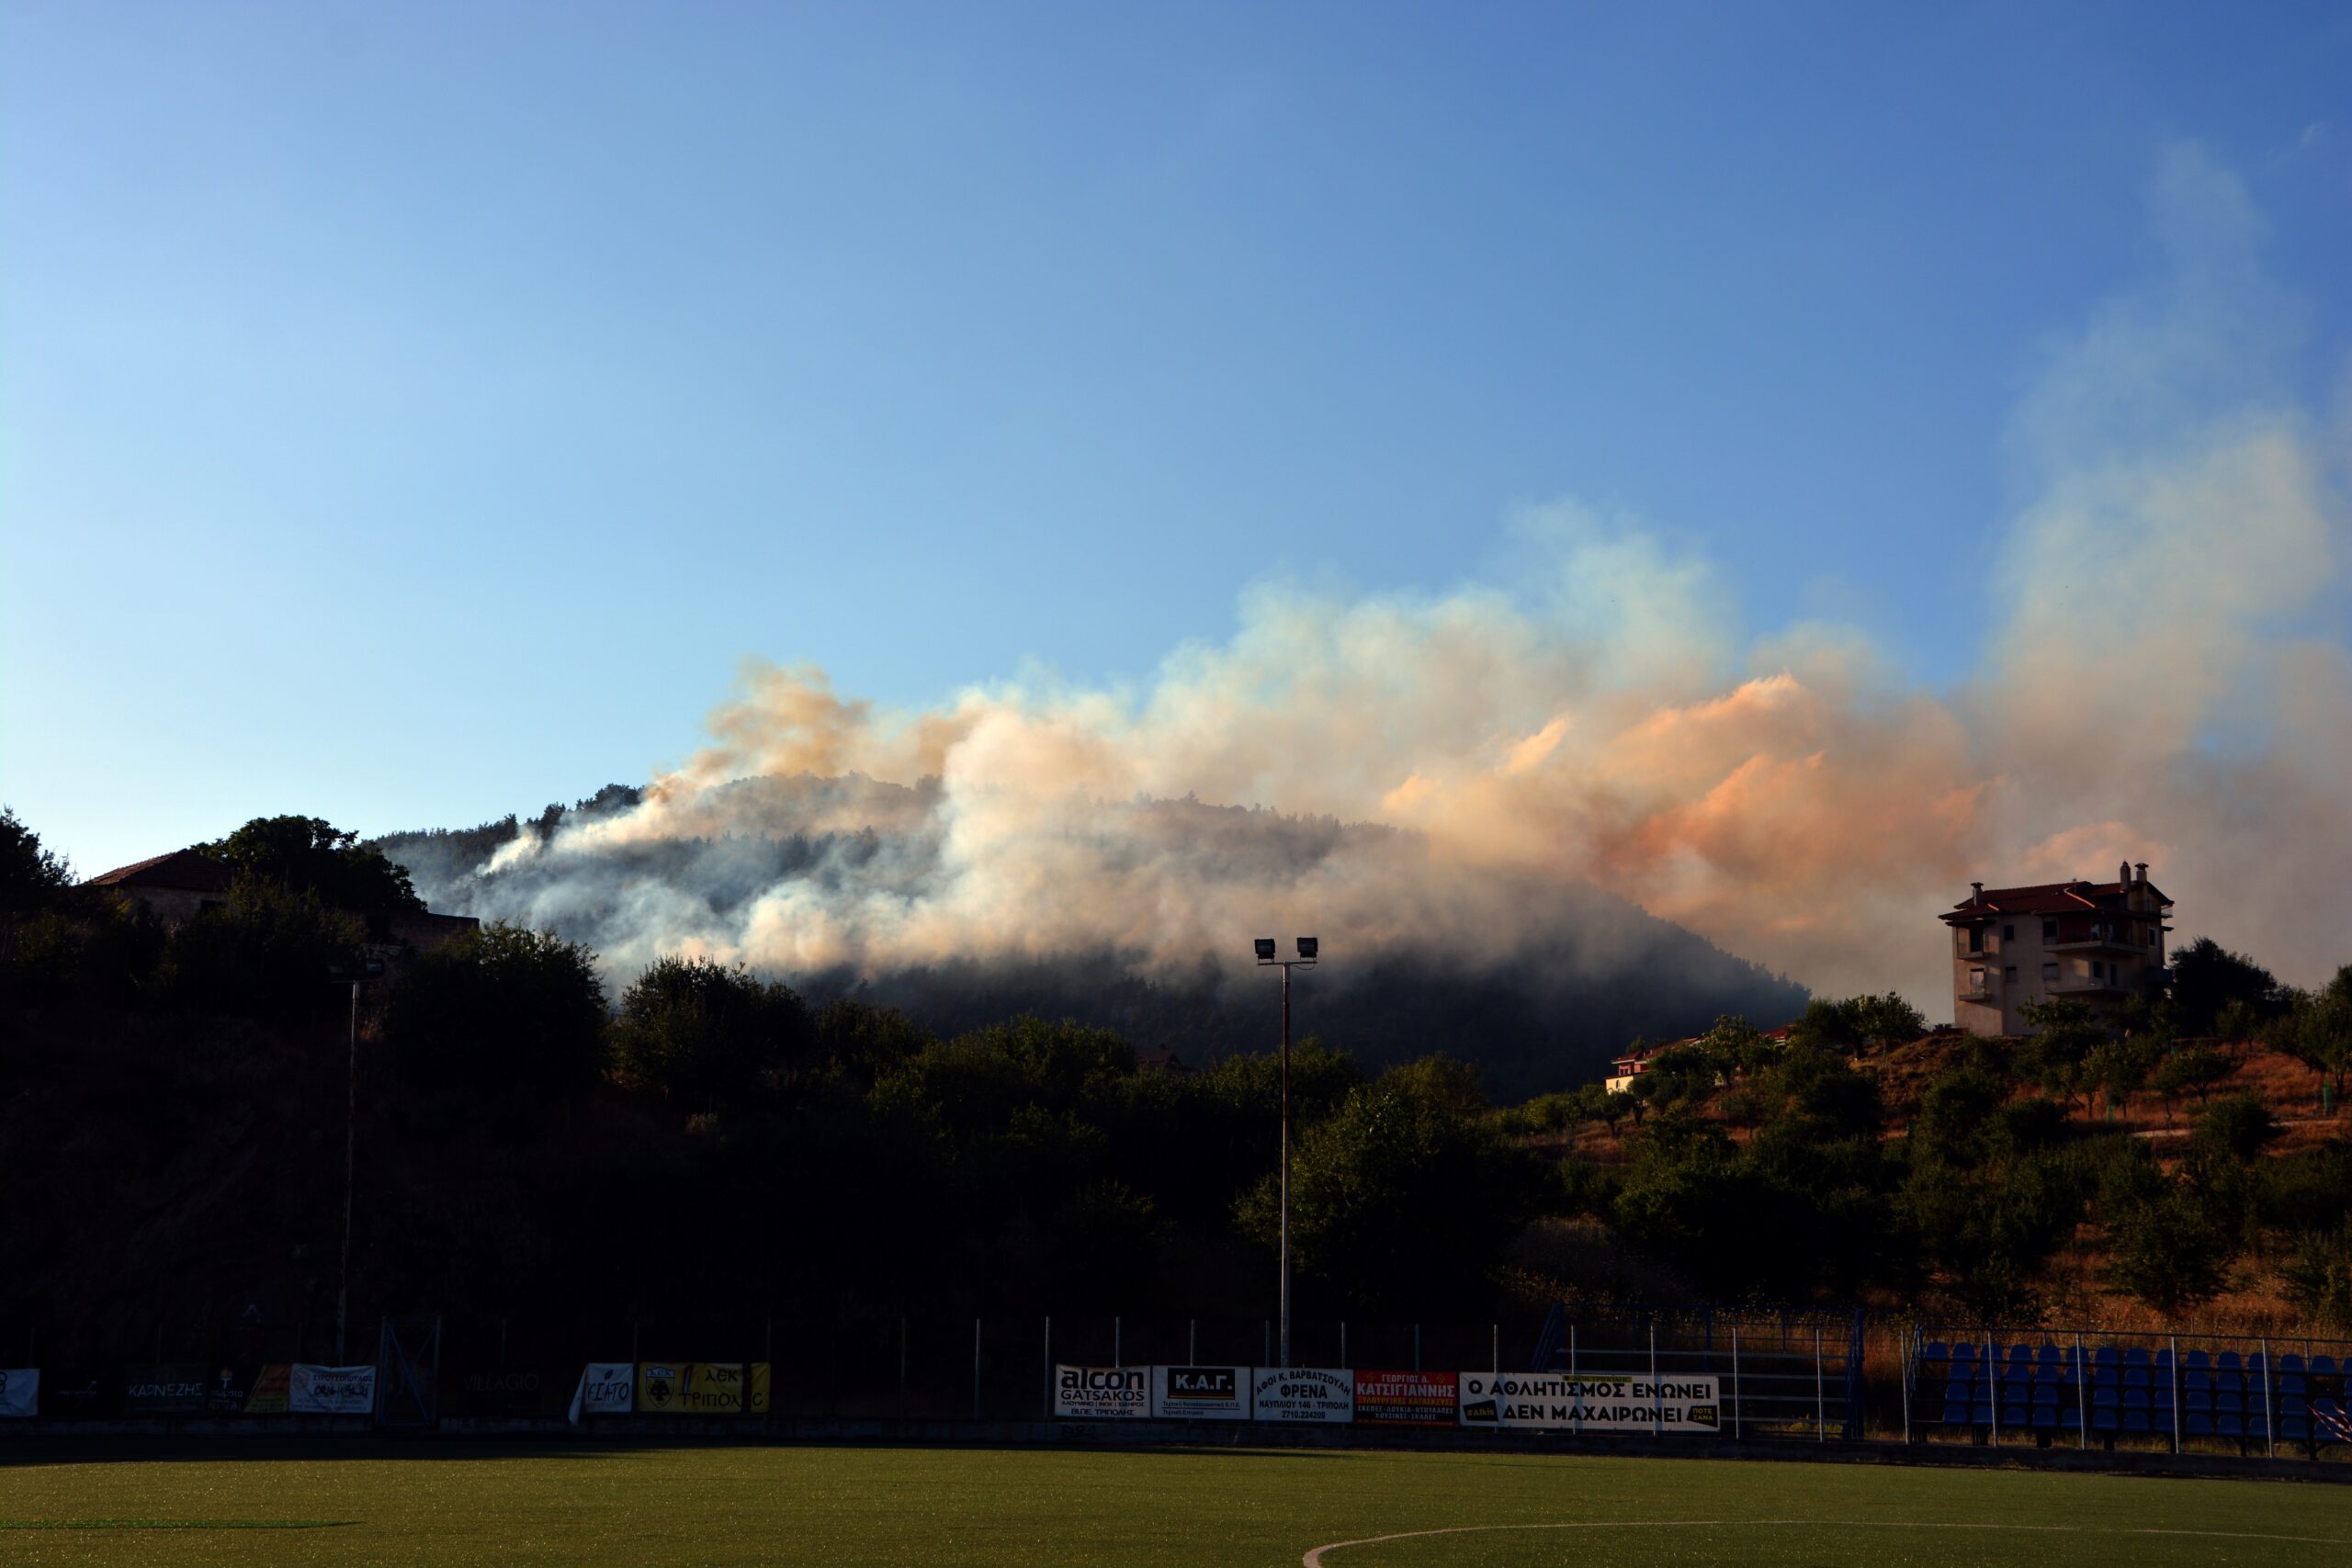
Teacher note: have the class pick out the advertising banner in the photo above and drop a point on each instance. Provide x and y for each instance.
(606, 1388)
(661, 1388)
(175, 1388)
(269, 1394)
(714, 1388)
(230, 1389)
(1200, 1394)
(1102, 1392)
(500, 1391)
(1555, 1401)
(1302, 1393)
(330, 1391)
(758, 1388)
(19, 1392)
(1408, 1399)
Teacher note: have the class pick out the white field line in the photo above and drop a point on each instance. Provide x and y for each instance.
(1313, 1557)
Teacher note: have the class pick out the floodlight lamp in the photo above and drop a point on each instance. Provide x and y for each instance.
(1265, 950)
(1306, 945)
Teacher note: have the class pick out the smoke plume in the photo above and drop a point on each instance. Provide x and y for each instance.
(1426, 775)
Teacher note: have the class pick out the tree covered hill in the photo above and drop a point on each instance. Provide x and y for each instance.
(1578, 973)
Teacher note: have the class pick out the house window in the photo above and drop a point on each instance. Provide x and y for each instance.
(2098, 969)
(1975, 980)
(2009, 975)
(1976, 939)
(2049, 971)
(2049, 930)
(2008, 933)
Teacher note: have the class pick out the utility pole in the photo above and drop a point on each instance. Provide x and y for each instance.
(1307, 949)
(368, 970)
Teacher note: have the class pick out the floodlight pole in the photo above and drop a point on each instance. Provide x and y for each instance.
(350, 1165)
(1307, 947)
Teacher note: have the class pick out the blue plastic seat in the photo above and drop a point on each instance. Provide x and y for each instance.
(2227, 1424)
(2103, 1421)
(2229, 1361)
(2104, 1398)
(2291, 1383)
(2107, 1356)
(2135, 1399)
(2228, 1402)
(2197, 1424)
(2045, 1393)
(2070, 1419)
(1956, 1392)
(2136, 1377)
(1981, 1416)
(2293, 1405)
(1964, 1350)
(2137, 1355)
(2294, 1430)
(2257, 1425)
(2135, 1421)
(1956, 1414)
(1935, 1351)
(2322, 1366)
(2289, 1361)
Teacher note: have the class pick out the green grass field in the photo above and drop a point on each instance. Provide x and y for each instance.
(432, 1505)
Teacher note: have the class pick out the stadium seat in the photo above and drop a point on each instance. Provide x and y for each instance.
(2322, 1366)
(2257, 1426)
(2135, 1421)
(2228, 1402)
(2045, 1420)
(2197, 1424)
(2103, 1421)
(2137, 1355)
(1956, 1414)
(2164, 1364)
(2291, 1383)
(2047, 1355)
(2229, 1363)
(2228, 1424)
(2070, 1419)
(2135, 1399)
(2107, 1356)
(2136, 1377)
(2294, 1430)
(2045, 1396)
(2105, 1398)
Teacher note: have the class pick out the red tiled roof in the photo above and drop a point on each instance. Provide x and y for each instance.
(2049, 898)
(183, 869)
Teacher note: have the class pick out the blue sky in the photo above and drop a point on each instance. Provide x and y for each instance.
(410, 414)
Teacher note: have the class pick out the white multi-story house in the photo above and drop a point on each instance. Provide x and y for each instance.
(2093, 941)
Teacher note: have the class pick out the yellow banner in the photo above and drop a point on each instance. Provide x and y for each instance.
(662, 1387)
(755, 1394)
(715, 1388)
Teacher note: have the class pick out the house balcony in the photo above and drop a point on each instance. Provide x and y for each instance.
(2097, 944)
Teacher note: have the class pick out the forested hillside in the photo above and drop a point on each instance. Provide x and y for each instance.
(1582, 971)
(534, 1142)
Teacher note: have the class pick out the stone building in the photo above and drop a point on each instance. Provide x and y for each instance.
(178, 886)
(2093, 941)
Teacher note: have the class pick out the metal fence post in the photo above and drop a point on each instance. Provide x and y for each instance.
(1117, 1359)
(1820, 1413)
(975, 1369)
(1658, 1409)
(1417, 1346)
(2172, 1342)
(1049, 1366)
(1992, 1387)
(1343, 1344)
(1575, 1377)
(902, 1365)
(2269, 1414)
(1734, 1383)
(1192, 1341)
(2083, 1402)
(1910, 1362)
(1496, 1329)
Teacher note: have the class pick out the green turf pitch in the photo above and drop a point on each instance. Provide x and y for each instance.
(423, 1506)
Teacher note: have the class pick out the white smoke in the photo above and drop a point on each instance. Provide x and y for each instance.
(2153, 691)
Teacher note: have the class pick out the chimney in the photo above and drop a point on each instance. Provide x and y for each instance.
(2123, 873)
(2141, 867)
(1976, 893)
